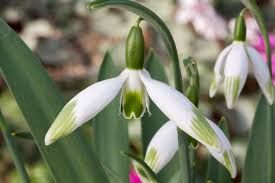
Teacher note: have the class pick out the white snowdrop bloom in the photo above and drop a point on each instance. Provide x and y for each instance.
(164, 146)
(232, 68)
(136, 86)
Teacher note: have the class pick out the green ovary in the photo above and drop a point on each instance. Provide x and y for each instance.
(133, 104)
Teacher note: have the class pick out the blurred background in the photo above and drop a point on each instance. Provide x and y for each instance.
(71, 41)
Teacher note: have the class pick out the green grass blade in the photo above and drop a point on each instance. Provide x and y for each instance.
(217, 172)
(111, 129)
(13, 149)
(71, 159)
(260, 156)
(151, 124)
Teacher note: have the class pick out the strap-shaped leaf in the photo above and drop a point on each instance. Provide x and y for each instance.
(71, 159)
(111, 129)
(260, 161)
(16, 156)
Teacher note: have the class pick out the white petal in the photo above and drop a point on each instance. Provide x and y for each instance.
(162, 147)
(219, 71)
(180, 110)
(226, 157)
(235, 72)
(261, 73)
(85, 106)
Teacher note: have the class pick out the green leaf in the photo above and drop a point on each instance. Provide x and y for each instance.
(146, 173)
(151, 124)
(216, 172)
(111, 129)
(71, 159)
(113, 176)
(260, 161)
(16, 156)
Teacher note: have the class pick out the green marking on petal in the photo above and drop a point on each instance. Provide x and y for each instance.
(269, 88)
(133, 104)
(152, 159)
(204, 131)
(213, 85)
(232, 85)
(63, 125)
(227, 162)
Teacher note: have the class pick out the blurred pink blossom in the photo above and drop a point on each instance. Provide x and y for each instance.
(134, 178)
(259, 45)
(203, 17)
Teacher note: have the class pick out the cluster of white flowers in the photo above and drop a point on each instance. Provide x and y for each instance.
(137, 86)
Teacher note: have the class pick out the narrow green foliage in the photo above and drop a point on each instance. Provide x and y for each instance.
(111, 129)
(216, 172)
(260, 161)
(16, 156)
(69, 160)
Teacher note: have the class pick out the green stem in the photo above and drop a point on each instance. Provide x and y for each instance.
(169, 42)
(257, 13)
(13, 149)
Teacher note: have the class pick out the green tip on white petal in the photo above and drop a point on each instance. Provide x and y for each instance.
(269, 92)
(152, 159)
(63, 125)
(232, 90)
(213, 88)
(226, 157)
(204, 131)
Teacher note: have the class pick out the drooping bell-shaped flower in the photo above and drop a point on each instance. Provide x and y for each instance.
(232, 68)
(136, 85)
(164, 146)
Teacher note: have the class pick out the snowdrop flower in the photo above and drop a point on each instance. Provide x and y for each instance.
(164, 146)
(203, 17)
(136, 85)
(232, 67)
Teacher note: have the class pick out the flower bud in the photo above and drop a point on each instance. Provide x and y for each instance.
(135, 48)
(240, 29)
